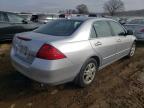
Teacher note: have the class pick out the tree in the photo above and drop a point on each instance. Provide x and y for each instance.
(113, 6)
(82, 9)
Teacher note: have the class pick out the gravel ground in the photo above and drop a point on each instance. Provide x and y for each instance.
(120, 85)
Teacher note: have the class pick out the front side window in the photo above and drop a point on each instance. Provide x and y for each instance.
(102, 29)
(14, 18)
(117, 28)
(60, 27)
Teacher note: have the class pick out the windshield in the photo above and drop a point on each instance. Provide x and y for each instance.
(59, 27)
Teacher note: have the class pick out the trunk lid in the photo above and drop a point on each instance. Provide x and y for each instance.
(26, 45)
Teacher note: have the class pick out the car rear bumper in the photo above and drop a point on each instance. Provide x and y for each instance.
(51, 72)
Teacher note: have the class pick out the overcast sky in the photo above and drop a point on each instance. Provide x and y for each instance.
(55, 5)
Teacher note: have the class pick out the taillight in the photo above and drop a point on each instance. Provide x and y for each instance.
(49, 52)
(142, 30)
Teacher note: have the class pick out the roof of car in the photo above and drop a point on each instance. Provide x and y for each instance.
(89, 18)
(80, 18)
(7, 12)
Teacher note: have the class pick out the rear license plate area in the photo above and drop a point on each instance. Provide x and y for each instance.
(22, 50)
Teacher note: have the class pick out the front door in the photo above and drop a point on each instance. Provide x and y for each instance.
(123, 41)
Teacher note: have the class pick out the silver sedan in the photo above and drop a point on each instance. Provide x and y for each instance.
(71, 50)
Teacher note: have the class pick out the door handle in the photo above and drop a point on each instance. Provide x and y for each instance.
(98, 43)
(119, 40)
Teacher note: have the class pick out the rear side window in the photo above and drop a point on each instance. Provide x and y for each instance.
(93, 33)
(59, 27)
(102, 29)
(2, 18)
(117, 28)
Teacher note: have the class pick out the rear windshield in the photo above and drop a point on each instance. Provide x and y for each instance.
(59, 27)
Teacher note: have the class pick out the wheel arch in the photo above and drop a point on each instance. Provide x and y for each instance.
(97, 60)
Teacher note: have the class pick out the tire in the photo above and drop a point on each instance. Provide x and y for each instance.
(132, 50)
(87, 73)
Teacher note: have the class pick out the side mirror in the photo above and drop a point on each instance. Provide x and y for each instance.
(24, 21)
(129, 32)
(122, 22)
(122, 34)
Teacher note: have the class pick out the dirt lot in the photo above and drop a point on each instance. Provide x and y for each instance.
(120, 85)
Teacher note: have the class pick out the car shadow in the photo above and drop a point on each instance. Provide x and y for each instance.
(140, 44)
(5, 42)
(14, 86)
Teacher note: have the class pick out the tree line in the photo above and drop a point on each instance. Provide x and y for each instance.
(111, 7)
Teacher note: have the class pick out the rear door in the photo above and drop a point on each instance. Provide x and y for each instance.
(123, 41)
(5, 27)
(103, 42)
